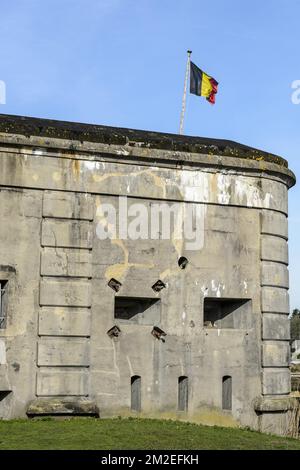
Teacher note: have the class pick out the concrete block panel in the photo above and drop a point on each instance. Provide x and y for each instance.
(276, 381)
(62, 383)
(63, 352)
(275, 326)
(68, 205)
(275, 422)
(59, 321)
(275, 353)
(274, 249)
(274, 274)
(69, 293)
(67, 233)
(275, 299)
(66, 262)
(275, 195)
(274, 223)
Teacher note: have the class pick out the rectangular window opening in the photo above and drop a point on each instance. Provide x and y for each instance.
(227, 313)
(143, 311)
(227, 392)
(3, 303)
(183, 393)
(136, 382)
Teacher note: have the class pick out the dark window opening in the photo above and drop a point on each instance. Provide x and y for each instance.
(137, 310)
(114, 284)
(136, 383)
(182, 262)
(3, 303)
(114, 332)
(4, 394)
(158, 286)
(227, 313)
(227, 392)
(183, 393)
(158, 333)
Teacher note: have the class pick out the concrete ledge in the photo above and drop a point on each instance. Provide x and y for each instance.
(62, 407)
(267, 404)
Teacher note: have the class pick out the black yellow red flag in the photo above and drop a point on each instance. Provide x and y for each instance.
(202, 84)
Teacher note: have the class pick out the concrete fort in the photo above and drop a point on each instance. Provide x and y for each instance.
(105, 314)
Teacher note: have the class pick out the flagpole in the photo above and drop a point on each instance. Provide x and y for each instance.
(184, 92)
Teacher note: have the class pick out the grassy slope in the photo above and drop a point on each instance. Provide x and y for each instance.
(88, 433)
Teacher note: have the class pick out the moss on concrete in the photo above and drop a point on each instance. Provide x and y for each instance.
(46, 128)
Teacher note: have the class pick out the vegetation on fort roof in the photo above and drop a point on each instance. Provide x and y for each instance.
(131, 433)
(46, 128)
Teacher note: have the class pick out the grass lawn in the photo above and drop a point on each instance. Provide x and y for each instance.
(100, 434)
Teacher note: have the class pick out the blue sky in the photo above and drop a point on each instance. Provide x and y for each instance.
(122, 63)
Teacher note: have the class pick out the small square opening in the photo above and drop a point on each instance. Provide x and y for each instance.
(143, 311)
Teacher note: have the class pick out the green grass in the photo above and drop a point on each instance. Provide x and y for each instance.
(130, 433)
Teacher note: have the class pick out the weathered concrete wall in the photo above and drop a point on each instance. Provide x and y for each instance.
(20, 213)
(55, 344)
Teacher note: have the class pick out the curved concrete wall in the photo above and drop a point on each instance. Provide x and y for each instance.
(61, 307)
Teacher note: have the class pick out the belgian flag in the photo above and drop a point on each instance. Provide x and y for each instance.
(202, 84)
